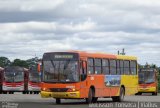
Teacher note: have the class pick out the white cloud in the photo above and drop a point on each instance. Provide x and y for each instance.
(29, 5)
(36, 26)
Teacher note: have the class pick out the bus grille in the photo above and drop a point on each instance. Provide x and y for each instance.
(58, 89)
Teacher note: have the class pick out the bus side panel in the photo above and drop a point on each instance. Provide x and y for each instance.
(113, 83)
(98, 82)
(130, 83)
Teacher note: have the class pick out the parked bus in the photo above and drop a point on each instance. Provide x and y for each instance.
(1, 79)
(13, 79)
(148, 82)
(34, 81)
(82, 75)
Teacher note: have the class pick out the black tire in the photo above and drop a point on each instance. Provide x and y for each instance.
(90, 96)
(58, 101)
(4, 92)
(119, 98)
(138, 93)
(94, 99)
(154, 93)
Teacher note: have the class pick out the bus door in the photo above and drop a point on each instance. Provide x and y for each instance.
(83, 76)
(26, 78)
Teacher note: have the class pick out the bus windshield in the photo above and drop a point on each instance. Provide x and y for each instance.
(141, 78)
(146, 77)
(61, 71)
(9, 76)
(149, 77)
(34, 77)
(14, 76)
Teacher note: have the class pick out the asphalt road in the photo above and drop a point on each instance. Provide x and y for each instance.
(35, 101)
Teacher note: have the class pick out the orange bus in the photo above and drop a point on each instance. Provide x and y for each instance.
(148, 82)
(83, 75)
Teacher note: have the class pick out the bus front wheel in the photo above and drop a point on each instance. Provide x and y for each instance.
(90, 96)
(119, 98)
(58, 101)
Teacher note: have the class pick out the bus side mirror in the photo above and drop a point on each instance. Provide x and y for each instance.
(38, 67)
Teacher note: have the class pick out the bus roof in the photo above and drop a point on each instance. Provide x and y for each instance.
(106, 55)
(101, 55)
(15, 68)
(95, 54)
(124, 57)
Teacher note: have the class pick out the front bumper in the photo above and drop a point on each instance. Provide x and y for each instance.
(33, 88)
(62, 95)
(148, 89)
(9, 88)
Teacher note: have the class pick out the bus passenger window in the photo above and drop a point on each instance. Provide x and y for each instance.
(133, 66)
(126, 68)
(90, 66)
(105, 66)
(118, 67)
(121, 67)
(98, 65)
(113, 67)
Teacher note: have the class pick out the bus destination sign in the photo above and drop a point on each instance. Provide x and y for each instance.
(63, 56)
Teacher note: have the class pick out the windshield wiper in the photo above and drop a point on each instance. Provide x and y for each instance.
(149, 82)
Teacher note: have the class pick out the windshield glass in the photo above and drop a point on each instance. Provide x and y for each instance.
(146, 77)
(61, 71)
(149, 77)
(141, 78)
(9, 76)
(14, 76)
(34, 77)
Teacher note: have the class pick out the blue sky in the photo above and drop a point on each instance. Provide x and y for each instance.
(32, 27)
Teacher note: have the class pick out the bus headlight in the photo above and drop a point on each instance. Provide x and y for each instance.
(46, 89)
(71, 90)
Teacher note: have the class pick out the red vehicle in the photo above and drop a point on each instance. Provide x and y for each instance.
(1, 79)
(34, 81)
(13, 79)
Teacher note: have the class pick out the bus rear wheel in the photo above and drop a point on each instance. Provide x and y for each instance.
(139, 93)
(119, 98)
(154, 93)
(58, 101)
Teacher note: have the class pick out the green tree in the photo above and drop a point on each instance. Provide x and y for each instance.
(21, 63)
(4, 61)
(32, 61)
